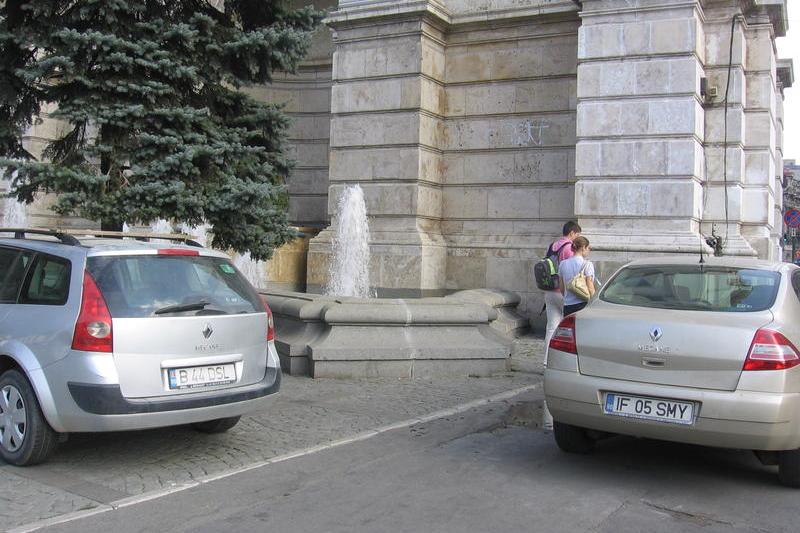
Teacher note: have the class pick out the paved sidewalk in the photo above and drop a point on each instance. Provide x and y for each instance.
(95, 469)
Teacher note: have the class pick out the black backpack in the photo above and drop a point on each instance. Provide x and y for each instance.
(545, 271)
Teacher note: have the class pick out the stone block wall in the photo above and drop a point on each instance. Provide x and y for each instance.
(306, 96)
(38, 213)
(387, 133)
(477, 127)
(462, 135)
(710, 167)
(640, 128)
(761, 135)
(510, 149)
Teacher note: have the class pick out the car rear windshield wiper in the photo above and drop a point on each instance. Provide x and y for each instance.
(180, 308)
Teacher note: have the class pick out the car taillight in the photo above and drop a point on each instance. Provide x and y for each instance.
(771, 351)
(93, 329)
(270, 322)
(564, 337)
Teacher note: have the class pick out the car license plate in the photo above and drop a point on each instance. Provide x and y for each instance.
(193, 377)
(657, 409)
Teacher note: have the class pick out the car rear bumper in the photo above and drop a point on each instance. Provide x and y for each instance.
(82, 394)
(726, 419)
(102, 399)
(90, 422)
(102, 408)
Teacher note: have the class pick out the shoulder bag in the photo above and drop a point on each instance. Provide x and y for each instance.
(578, 285)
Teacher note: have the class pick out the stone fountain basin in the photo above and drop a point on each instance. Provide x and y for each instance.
(465, 333)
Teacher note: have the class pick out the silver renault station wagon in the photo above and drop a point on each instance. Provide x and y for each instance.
(104, 333)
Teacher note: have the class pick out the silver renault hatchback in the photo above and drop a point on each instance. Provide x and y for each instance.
(673, 349)
(110, 334)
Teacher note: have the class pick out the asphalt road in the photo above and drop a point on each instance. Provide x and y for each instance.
(489, 469)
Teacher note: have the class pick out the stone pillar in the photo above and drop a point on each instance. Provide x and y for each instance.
(386, 135)
(785, 73)
(760, 133)
(718, 31)
(640, 125)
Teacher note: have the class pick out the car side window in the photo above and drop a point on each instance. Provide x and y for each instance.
(13, 265)
(47, 282)
(796, 283)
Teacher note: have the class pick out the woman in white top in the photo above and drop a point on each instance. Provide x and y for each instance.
(572, 267)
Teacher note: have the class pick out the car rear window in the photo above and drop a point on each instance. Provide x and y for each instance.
(150, 285)
(694, 288)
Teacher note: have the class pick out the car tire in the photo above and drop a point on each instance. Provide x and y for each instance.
(220, 425)
(789, 468)
(38, 440)
(572, 439)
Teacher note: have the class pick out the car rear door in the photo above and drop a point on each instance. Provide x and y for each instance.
(43, 317)
(182, 323)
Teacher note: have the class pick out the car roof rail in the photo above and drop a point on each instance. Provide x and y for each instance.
(19, 233)
(139, 236)
(71, 236)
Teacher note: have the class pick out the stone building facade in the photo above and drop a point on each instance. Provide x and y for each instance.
(477, 127)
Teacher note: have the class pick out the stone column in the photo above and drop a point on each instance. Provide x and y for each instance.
(719, 56)
(761, 25)
(785, 73)
(386, 135)
(640, 125)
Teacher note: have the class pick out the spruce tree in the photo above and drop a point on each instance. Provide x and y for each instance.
(155, 124)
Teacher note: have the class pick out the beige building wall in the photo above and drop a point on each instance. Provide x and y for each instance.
(708, 165)
(39, 214)
(461, 134)
(510, 152)
(306, 96)
(477, 127)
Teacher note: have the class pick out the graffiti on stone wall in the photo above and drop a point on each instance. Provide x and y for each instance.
(526, 133)
(509, 133)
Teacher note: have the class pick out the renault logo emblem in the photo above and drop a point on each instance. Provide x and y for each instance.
(207, 331)
(656, 333)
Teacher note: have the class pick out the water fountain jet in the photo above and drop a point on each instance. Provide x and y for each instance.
(349, 269)
(14, 214)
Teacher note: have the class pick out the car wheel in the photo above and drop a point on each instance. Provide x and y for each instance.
(789, 468)
(221, 425)
(572, 439)
(25, 436)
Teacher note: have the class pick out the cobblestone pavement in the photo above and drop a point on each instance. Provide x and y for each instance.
(93, 469)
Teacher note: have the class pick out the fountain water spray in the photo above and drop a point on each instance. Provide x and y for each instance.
(349, 270)
(161, 226)
(200, 233)
(254, 271)
(14, 214)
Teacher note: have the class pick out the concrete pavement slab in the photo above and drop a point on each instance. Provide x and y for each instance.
(97, 470)
(487, 469)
